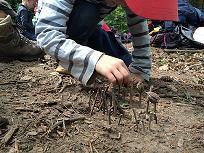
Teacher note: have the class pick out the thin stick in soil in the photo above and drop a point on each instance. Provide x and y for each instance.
(9, 134)
(101, 107)
(16, 146)
(59, 82)
(64, 129)
(155, 118)
(150, 121)
(104, 102)
(109, 116)
(90, 99)
(120, 118)
(131, 95)
(92, 108)
(135, 117)
(95, 149)
(147, 107)
(63, 88)
(114, 102)
(91, 147)
(70, 120)
(94, 102)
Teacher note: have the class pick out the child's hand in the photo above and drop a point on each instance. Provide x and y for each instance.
(113, 69)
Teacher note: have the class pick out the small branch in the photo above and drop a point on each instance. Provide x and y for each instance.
(131, 95)
(121, 115)
(63, 87)
(9, 134)
(91, 147)
(27, 109)
(109, 116)
(114, 102)
(95, 149)
(16, 146)
(64, 128)
(67, 121)
(94, 102)
(59, 82)
(13, 82)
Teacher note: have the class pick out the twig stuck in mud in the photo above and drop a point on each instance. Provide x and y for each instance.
(95, 149)
(131, 94)
(151, 118)
(141, 119)
(140, 88)
(90, 97)
(152, 98)
(16, 146)
(9, 134)
(114, 101)
(135, 117)
(70, 120)
(104, 101)
(109, 116)
(63, 87)
(121, 115)
(92, 108)
(59, 82)
(64, 129)
(91, 147)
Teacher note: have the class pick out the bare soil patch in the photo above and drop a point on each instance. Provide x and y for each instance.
(46, 114)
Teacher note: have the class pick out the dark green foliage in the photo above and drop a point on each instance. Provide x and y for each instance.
(117, 20)
(198, 3)
(14, 3)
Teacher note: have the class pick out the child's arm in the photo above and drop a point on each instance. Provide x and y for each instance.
(51, 29)
(142, 59)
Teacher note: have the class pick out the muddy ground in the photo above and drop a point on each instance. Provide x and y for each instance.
(47, 114)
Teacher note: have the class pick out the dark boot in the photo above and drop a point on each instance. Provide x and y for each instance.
(15, 45)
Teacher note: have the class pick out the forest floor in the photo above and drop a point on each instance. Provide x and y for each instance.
(44, 111)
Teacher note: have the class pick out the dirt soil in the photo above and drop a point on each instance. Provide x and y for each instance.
(47, 112)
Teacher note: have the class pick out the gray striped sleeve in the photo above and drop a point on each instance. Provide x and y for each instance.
(142, 59)
(51, 30)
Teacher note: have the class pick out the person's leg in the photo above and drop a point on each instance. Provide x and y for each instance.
(83, 21)
(15, 45)
(29, 35)
(82, 28)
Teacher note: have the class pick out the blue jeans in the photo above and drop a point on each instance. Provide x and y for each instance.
(82, 28)
(29, 35)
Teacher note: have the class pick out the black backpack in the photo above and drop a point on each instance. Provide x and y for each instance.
(180, 37)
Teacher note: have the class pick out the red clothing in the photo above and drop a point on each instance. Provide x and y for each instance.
(105, 27)
(36, 6)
